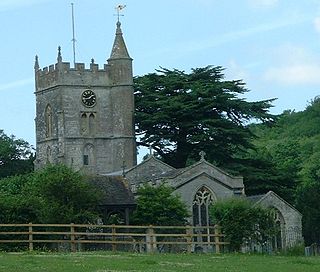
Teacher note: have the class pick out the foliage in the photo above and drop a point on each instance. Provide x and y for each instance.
(68, 197)
(240, 221)
(159, 206)
(181, 114)
(296, 250)
(292, 148)
(16, 156)
(262, 172)
(308, 195)
(55, 194)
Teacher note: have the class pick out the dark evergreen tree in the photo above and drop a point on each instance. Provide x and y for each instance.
(181, 114)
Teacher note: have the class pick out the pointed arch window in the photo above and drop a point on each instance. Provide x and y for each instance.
(279, 237)
(88, 155)
(201, 203)
(83, 124)
(48, 121)
(92, 124)
(87, 123)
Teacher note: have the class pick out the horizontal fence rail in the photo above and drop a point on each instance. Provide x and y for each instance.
(115, 237)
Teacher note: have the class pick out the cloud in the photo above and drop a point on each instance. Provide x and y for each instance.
(235, 71)
(263, 3)
(294, 74)
(316, 23)
(293, 65)
(15, 84)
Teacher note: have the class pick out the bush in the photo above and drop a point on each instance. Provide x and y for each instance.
(240, 221)
(158, 206)
(55, 194)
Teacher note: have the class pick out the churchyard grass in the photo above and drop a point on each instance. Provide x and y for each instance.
(112, 262)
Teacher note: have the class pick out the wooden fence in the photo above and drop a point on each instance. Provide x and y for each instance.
(114, 237)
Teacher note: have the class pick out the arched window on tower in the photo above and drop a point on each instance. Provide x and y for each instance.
(48, 121)
(92, 124)
(201, 203)
(88, 155)
(84, 124)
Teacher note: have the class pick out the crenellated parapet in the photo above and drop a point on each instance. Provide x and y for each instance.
(61, 73)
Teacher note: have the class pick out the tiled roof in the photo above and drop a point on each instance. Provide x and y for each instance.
(115, 190)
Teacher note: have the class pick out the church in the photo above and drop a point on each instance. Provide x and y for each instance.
(85, 120)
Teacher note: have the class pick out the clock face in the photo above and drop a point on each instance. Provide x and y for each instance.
(88, 98)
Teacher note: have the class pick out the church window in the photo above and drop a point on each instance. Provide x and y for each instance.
(88, 155)
(201, 203)
(48, 121)
(87, 123)
(84, 124)
(91, 123)
(85, 160)
(278, 240)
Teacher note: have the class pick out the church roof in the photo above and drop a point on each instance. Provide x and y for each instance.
(119, 49)
(151, 160)
(205, 162)
(257, 199)
(185, 175)
(115, 190)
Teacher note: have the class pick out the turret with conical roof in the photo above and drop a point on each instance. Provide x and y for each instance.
(119, 49)
(120, 61)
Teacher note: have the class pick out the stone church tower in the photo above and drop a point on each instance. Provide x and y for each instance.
(84, 116)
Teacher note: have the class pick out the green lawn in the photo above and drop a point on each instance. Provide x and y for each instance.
(109, 262)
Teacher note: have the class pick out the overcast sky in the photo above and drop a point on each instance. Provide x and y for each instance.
(273, 45)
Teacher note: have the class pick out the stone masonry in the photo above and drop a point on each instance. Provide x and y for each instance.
(94, 139)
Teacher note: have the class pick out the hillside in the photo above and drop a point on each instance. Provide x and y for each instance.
(291, 149)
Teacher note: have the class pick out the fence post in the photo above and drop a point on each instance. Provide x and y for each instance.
(189, 234)
(217, 238)
(30, 237)
(113, 229)
(72, 237)
(150, 243)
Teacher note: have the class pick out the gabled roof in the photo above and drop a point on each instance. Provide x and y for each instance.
(193, 171)
(257, 199)
(203, 161)
(151, 159)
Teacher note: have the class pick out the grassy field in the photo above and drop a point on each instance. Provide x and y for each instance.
(109, 262)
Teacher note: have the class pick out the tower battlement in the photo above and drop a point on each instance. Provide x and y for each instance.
(61, 73)
(85, 113)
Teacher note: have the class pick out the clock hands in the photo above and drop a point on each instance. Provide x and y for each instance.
(88, 98)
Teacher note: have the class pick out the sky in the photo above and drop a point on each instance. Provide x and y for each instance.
(272, 45)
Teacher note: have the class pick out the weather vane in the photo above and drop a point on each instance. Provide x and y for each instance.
(119, 8)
